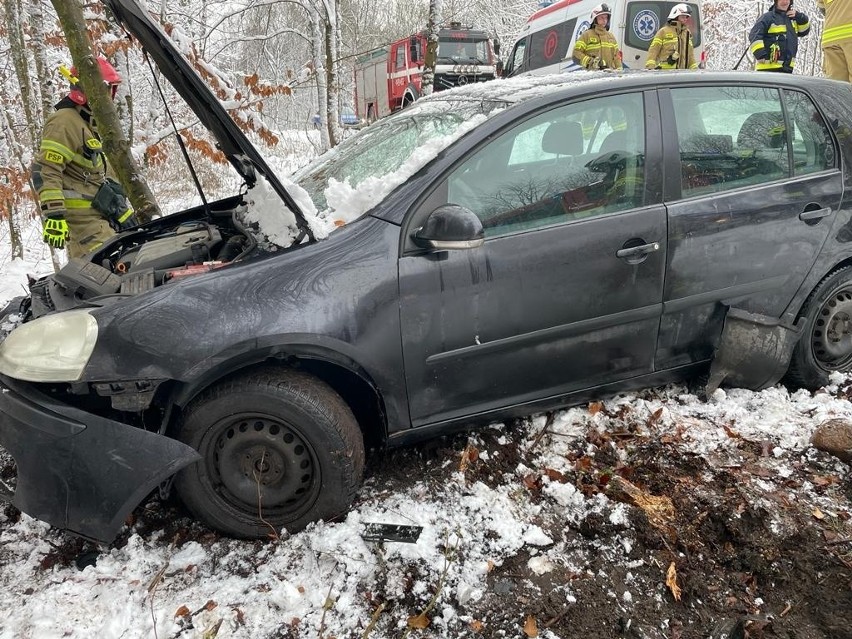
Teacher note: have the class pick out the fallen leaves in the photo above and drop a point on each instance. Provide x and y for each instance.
(659, 510)
(469, 455)
(530, 627)
(419, 622)
(671, 581)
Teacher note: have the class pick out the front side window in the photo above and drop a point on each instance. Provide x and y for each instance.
(516, 62)
(574, 162)
(400, 57)
(729, 137)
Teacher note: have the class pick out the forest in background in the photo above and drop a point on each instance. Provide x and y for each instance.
(273, 62)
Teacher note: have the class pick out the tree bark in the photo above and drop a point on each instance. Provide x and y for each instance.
(428, 79)
(116, 144)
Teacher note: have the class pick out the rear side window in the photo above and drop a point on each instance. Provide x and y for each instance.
(550, 46)
(729, 137)
(811, 143)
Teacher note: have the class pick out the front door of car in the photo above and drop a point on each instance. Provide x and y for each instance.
(754, 187)
(565, 293)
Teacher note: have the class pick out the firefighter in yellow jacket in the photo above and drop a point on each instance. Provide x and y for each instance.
(81, 204)
(837, 39)
(672, 46)
(597, 48)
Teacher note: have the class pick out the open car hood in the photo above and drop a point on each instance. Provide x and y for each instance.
(186, 81)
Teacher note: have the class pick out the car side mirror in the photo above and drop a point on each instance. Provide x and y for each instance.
(450, 227)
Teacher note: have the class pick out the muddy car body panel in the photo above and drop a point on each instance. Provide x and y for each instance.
(78, 471)
(581, 236)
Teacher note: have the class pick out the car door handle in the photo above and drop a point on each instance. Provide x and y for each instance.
(815, 215)
(637, 251)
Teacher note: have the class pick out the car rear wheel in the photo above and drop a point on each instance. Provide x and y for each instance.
(279, 449)
(826, 342)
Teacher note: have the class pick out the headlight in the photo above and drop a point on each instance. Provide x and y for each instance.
(54, 348)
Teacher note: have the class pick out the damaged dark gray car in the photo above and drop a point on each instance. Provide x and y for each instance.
(533, 243)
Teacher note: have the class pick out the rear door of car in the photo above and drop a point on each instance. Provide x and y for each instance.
(752, 185)
(566, 291)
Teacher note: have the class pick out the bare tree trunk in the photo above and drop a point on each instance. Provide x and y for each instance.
(428, 81)
(332, 32)
(116, 144)
(318, 45)
(18, 52)
(45, 77)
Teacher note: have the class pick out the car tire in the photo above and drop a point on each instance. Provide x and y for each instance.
(283, 430)
(826, 342)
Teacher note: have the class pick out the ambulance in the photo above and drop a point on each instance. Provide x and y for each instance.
(545, 43)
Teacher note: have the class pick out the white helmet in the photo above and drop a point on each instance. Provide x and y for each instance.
(600, 10)
(678, 10)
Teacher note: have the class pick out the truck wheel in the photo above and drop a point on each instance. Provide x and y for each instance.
(279, 449)
(826, 342)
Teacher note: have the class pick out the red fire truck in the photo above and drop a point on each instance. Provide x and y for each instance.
(388, 78)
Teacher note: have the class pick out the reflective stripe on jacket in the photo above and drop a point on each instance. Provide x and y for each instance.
(672, 48)
(838, 20)
(66, 173)
(597, 42)
(774, 39)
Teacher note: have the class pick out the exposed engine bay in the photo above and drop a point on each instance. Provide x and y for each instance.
(162, 252)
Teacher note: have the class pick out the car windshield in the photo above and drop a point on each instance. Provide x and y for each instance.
(353, 177)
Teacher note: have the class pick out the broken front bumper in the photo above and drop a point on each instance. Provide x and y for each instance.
(76, 470)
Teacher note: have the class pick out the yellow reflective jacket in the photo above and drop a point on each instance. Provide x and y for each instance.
(672, 48)
(70, 166)
(597, 42)
(838, 20)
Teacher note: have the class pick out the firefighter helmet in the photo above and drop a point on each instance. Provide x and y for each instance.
(678, 10)
(601, 10)
(110, 76)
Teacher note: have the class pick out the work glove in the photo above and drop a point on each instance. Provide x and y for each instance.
(774, 52)
(674, 56)
(593, 63)
(55, 231)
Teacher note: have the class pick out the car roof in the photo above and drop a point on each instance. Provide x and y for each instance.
(521, 89)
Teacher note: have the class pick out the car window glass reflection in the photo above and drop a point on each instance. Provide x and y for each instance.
(570, 163)
(729, 137)
(813, 149)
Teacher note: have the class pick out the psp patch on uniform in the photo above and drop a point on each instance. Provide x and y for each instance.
(645, 25)
(52, 156)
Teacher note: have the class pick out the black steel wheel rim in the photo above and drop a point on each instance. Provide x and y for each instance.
(831, 337)
(262, 466)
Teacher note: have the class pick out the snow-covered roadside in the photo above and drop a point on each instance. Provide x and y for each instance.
(321, 582)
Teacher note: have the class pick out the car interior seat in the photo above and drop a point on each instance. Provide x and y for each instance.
(615, 141)
(764, 130)
(563, 138)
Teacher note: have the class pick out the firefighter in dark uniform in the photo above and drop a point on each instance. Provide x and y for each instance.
(672, 46)
(70, 170)
(597, 48)
(775, 37)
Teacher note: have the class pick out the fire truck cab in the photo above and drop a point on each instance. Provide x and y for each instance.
(389, 78)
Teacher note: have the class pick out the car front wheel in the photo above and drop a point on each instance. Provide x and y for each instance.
(279, 449)
(826, 342)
